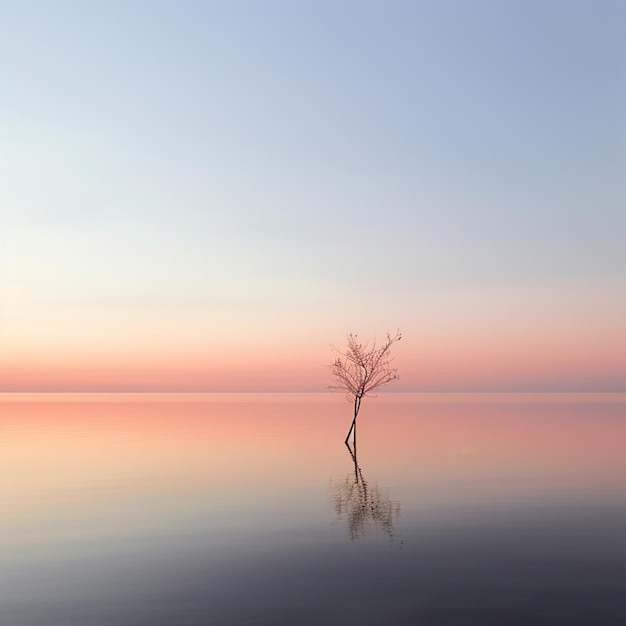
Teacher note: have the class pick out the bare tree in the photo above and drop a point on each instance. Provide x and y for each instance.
(362, 369)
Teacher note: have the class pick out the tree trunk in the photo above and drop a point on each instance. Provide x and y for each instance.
(357, 406)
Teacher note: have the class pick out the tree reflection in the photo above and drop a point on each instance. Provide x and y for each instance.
(364, 505)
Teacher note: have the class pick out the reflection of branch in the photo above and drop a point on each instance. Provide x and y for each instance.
(363, 505)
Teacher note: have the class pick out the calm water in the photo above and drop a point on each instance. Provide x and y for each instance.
(249, 509)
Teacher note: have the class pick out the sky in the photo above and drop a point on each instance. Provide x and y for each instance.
(208, 196)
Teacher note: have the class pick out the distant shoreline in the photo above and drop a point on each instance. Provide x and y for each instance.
(315, 396)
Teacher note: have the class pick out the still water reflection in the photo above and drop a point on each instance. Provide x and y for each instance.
(362, 503)
(213, 509)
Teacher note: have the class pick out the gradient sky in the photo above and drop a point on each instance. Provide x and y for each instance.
(206, 195)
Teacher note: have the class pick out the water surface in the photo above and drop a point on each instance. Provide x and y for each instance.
(155, 509)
